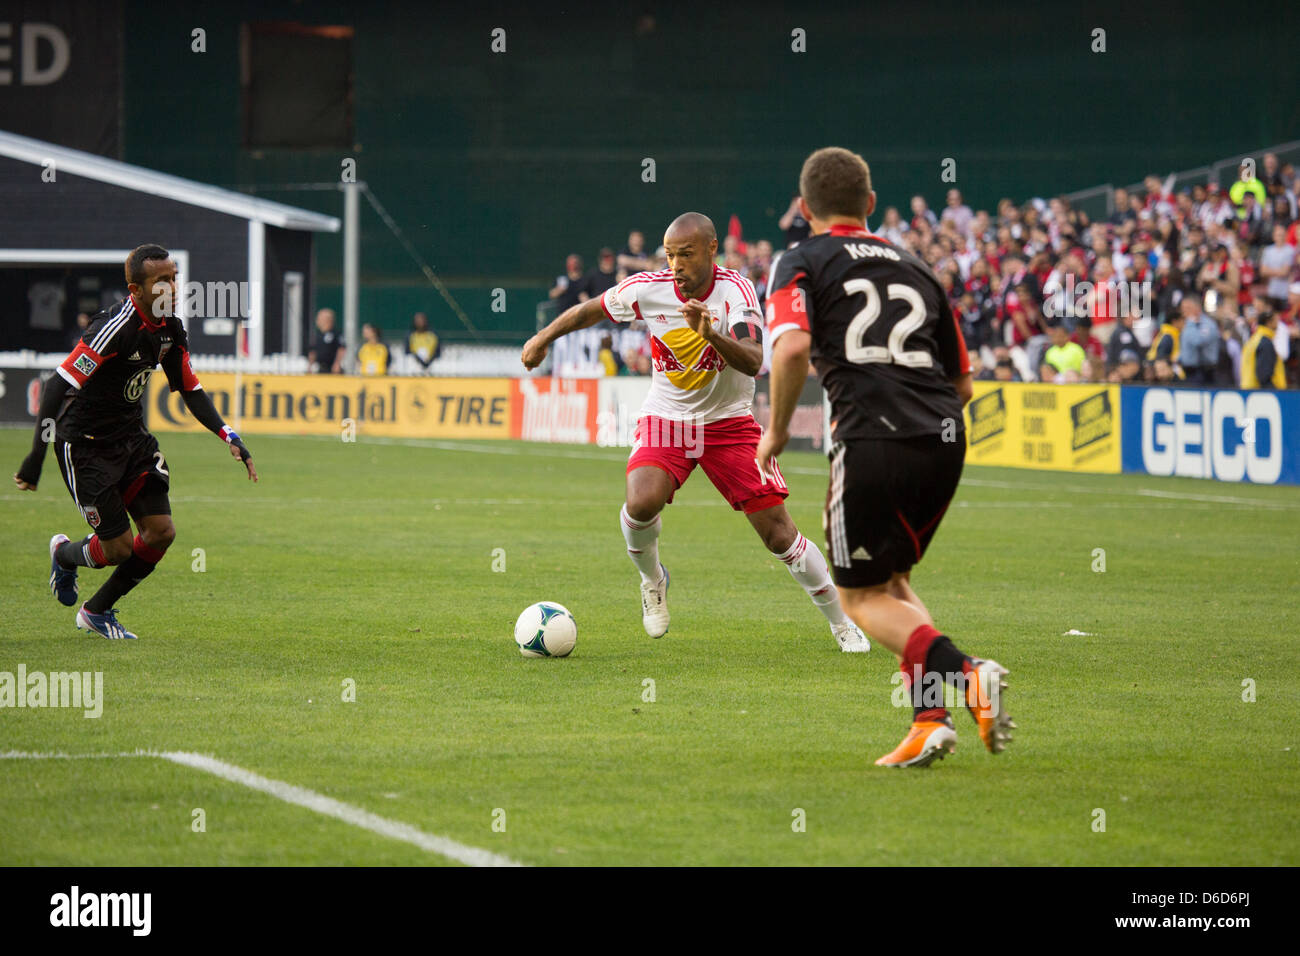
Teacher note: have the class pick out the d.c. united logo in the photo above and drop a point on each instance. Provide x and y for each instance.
(92, 516)
(134, 390)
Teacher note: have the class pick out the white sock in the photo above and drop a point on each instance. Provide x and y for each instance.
(642, 539)
(808, 566)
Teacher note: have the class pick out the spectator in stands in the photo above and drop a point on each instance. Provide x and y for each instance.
(373, 357)
(605, 276)
(325, 354)
(1271, 175)
(1244, 186)
(1275, 265)
(892, 226)
(633, 258)
(1199, 342)
(1250, 222)
(1218, 208)
(637, 360)
(957, 212)
(606, 357)
(977, 370)
(1094, 366)
(1227, 371)
(1165, 350)
(422, 344)
(922, 217)
(1222, 277)
(1127, 370)
(1261, 367)
(1123, 338)
(1005, 371)
(83, 323)
(794, 225)
(1063, 360)
(571, 288)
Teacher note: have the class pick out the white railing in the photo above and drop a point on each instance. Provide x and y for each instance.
(481, 361)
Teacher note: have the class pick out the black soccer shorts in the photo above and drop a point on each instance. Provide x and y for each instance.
(108, 481)
(885, 501)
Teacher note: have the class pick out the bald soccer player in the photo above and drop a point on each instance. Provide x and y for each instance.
(706, 343)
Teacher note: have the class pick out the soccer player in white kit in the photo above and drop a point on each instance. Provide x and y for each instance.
(706, 335)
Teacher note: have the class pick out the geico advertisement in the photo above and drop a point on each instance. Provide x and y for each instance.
(1213, 433)
(327, 404)
(1063, 427)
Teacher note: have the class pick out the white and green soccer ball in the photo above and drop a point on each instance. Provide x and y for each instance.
(546, 629)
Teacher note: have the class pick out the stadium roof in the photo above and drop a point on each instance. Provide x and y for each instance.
(104, 170)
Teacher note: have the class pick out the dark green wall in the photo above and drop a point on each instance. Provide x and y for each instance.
(497, 165)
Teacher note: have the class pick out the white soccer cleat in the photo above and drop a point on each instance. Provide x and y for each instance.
(850, 638)
(654, 605)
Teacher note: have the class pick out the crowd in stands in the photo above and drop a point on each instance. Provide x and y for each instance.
(1199, 285)
(326, 353)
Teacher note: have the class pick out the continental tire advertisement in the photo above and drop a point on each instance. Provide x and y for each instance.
(1056, 427)
(331, 404)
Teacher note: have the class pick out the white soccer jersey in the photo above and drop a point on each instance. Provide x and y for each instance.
(691, 381)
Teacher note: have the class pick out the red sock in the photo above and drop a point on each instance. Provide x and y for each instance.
(913, 665)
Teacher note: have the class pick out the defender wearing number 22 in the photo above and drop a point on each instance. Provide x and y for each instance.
(881, 335)
(110, 462)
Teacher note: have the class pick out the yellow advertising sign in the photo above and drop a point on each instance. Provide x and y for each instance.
(327, 404)
(1061, 427)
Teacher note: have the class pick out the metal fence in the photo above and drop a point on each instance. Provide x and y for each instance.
(1099, 201)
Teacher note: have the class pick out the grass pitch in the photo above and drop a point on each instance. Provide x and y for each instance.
(374, 562)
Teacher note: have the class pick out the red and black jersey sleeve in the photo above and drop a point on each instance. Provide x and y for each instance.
(81, 363)
(98, 344)
(176, 363)
(789, 297)
(952, 344)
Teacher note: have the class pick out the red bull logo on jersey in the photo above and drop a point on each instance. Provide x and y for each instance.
(685, 358)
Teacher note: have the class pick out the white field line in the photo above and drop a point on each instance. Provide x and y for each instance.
(543, 450)
(302, 797)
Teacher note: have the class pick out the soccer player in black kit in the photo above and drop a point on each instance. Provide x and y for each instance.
(882, 337)
(110, 462)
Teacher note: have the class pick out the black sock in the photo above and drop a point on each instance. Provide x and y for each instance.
(74, 554)
(944, 658)
(124, 577)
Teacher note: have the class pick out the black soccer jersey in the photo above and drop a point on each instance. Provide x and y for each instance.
(884, 340)
(110, 368)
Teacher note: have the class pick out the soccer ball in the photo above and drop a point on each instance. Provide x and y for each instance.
(546, 629)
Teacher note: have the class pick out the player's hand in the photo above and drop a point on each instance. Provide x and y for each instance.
(534, 353)
(698, 318)
(769, 446)
(239, 450)
(30, 468)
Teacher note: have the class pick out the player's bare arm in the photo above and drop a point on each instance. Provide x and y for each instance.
(581, 316)
(743, 354)
(789, 371)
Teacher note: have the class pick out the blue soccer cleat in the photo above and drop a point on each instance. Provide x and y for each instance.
(105, 625)
(63, 581)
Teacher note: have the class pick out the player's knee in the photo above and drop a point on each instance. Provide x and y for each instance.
(116, 550)
(159, 535)
(642, 507)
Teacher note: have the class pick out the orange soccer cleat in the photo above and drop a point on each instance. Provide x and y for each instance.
(986, 699)
(926, 742)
